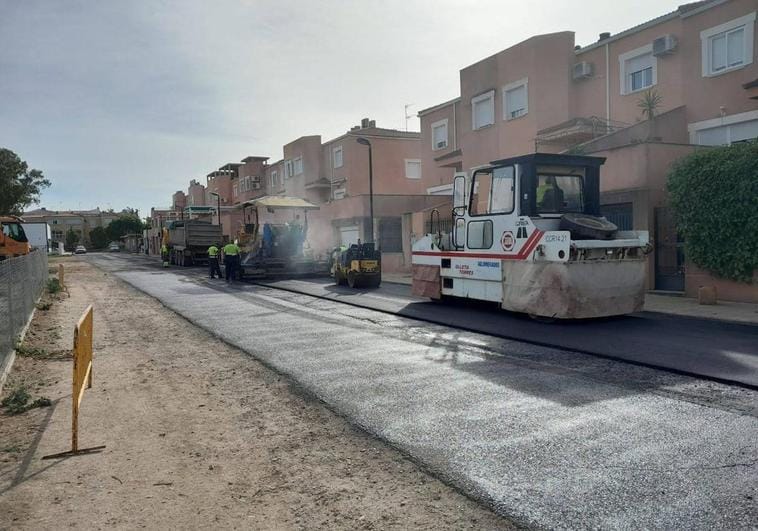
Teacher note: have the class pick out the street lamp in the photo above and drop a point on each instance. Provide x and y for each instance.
(365, 142)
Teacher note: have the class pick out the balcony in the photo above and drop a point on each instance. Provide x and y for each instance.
(574, 132)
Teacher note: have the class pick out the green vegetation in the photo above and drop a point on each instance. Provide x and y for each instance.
(72, 239)
(99, 238)
(127, 223)
(649, 103)
(17, 401)
(19, 186)
(714, 193)
(53, 285)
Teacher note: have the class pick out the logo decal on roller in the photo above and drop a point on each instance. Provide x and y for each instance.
(507, 241)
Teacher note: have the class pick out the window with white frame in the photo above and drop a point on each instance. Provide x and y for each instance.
(439, 135)
(412, 168)
(274, 180)
(298, 165)
(516, 99)
(728, 46)
(288, 169)
(483, 110)
(639, 69)
(727, 130)
(337, 157)
(234, 190)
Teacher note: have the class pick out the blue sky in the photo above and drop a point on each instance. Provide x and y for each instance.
(121, 103)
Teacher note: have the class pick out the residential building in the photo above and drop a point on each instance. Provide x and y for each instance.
(82, 222)
(548, 94)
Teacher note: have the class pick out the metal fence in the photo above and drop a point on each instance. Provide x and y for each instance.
(22, 280)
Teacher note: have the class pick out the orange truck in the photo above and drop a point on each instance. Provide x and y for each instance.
(13, 240)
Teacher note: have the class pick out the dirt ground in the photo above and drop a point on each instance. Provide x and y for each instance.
(198, 434)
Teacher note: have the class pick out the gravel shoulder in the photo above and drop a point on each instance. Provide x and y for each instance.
(198, 434)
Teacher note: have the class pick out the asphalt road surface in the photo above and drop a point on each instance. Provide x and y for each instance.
(549, 437)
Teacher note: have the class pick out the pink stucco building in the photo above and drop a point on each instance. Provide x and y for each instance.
(549, 94)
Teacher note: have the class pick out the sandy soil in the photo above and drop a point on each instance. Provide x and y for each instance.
(198, 434)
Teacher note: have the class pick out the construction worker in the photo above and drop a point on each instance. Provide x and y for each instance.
(549, 195)
(213, 266)
(164, 254)
(231, 260)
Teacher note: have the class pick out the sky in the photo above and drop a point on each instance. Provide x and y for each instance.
(121, 102)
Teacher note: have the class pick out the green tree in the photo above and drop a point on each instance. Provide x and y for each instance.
(98, 237)
(19, 186)
(126, 223)
(72, 238)
(714, 194)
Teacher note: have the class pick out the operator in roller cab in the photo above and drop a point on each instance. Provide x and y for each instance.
(527, 234)
(13, 240)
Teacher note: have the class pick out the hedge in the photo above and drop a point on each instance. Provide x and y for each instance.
(714, 194)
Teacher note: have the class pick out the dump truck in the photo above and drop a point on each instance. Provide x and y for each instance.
(188, 241)
(13, 240)
(527, 234)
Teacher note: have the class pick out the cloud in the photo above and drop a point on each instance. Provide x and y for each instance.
(124, 102)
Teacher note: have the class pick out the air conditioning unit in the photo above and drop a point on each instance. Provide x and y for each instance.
(581, 70)
(664, 45)
(441, 144)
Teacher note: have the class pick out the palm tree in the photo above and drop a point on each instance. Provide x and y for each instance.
(649, 103)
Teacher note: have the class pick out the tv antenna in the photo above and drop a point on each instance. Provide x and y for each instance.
(407, 116)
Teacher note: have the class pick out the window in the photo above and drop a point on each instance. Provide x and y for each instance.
(412, 169)
(479, 234)
(337, 157)
(288, 169)
(558, 194)
(298, 165)
(483, 110)
(492, 191)
(439, 135)
(728, 46)
(515, 99)
(391, 235)
(234, 190)
(638, 69)
(274, 180)
(728, 134)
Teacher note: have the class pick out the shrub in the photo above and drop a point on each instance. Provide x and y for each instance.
(53, 285)
(714, 194)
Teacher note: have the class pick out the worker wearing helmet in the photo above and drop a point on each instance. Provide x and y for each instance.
(213, 265)
(231, 260)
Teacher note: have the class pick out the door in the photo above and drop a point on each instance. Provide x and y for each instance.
(669, 252)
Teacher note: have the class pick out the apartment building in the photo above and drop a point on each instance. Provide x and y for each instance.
(335, 175)
(79, 221)
(549, 94)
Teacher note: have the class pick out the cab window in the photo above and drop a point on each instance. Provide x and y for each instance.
(559, 194)
(492, 191)
(14, 231)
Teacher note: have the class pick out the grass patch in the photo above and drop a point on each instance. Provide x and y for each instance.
(53, 285)
(14, 449)
(31, 352)
(18, 401)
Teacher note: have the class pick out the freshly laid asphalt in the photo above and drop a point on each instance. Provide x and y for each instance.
(547, 437)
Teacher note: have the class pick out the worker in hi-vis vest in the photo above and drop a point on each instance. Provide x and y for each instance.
(213, 266)
(164, 254)
(231, 260)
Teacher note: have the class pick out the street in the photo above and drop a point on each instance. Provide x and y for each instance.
(546, 436)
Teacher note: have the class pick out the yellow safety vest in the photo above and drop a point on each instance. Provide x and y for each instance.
(212, 251)
(231, 249)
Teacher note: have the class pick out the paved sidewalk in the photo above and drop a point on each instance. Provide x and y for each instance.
(723, 311)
